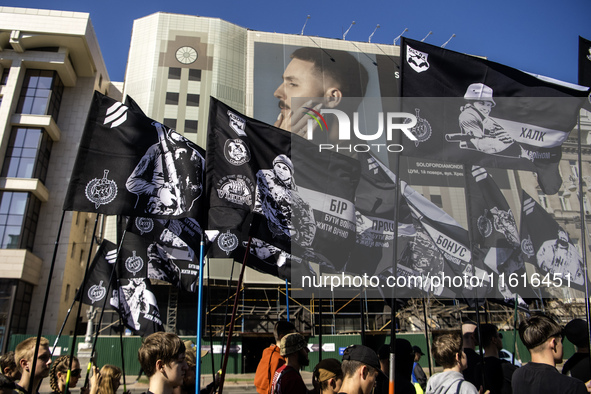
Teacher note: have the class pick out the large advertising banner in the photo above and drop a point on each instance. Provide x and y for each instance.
(352, 81)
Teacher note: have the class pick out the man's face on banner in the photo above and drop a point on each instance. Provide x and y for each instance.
(300, 79)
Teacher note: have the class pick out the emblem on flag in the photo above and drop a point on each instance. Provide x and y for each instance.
(417, 60)
(422, 130)
(116, 115)
(237, 124)
(145, 225)
(236, 152)
(228, 242)
(101, 191)
(134, 264)
(97, 292)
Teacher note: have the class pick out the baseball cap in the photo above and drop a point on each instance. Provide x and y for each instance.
(327, 369)
(292, 343)
(417, 349)
(576, 332)
(364, 355)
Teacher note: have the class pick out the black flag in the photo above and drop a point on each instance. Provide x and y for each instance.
(494, 230)
(130, 291)
(473, 111)
(585, 67)
(549, 248)
(128, 164)
(303, 197)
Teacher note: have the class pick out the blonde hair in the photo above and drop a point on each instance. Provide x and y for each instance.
(26, 350)
(108, 373)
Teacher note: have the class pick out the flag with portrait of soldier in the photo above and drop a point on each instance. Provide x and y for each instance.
(129, 164)
(303, 199)
(473, 111)
(549, 248)
(121, 279)
(494, 231)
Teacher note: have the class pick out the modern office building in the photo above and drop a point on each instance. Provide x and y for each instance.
(50, 63)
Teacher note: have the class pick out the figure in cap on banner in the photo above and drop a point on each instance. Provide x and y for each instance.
(277, 199)
(323, 77)
(559, 257)
(156, 181)
(480, 131)
(287, 378)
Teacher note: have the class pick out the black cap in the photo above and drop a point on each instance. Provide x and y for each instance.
(577, 333)
(417, 349)
(364, 355)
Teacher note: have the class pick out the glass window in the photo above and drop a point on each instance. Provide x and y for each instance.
(194, 75)
(543, 200)
(564, 201)
(193, 100)
(172, 98)
(169, 122)
(41, 93)
(436, 199)
(4, 78)
(27, 154)
(174, 73)
(190, 126)
(19, 214)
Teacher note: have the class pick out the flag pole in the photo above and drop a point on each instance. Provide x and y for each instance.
(199, 319)
(209, 321)
(471, 241)
(319, 326)
(362, 309)
(121, 329)
(583, 231)
(44, 308)
(84, 280)
(515, 318)
(234, 310)
(287, 297)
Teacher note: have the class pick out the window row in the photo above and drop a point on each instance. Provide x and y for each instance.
(27, 154)
(190, 125)
(173, 99)
(175, 73)
(19, 214)
(41, 93)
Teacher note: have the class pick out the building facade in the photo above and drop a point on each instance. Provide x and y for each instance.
(50, 63)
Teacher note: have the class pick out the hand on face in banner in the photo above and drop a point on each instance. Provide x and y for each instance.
(297, 121)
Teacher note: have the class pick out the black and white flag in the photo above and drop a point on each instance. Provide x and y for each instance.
(549, 248)
(128, 164)
(585, 67)
(170, 259)
(473, 111)
(304, 198)
(130, 291)
(494, 230)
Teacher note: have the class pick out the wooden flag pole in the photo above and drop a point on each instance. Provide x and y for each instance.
(234, 311)
(73, 347)
(44, 308)
(199, 320)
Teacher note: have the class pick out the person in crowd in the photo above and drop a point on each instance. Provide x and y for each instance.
(497, 373)
(8, 367)
(7, 386)
(287, 378)
(110, 379)
(447, 351)
(59, 371)
(271, 359)
(418, 375)
(23, 357)
(543, 338)
(577, 332)
(162, 358)
(469, 341)
(327, 377)
(361, 370)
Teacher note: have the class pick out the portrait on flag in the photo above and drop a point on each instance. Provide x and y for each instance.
(304, 200)
(128, 164)
(473, 111)
(549, 248)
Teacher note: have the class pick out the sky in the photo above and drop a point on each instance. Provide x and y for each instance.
(538, 36)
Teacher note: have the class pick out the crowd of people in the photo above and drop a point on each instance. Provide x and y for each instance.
(169, 363)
